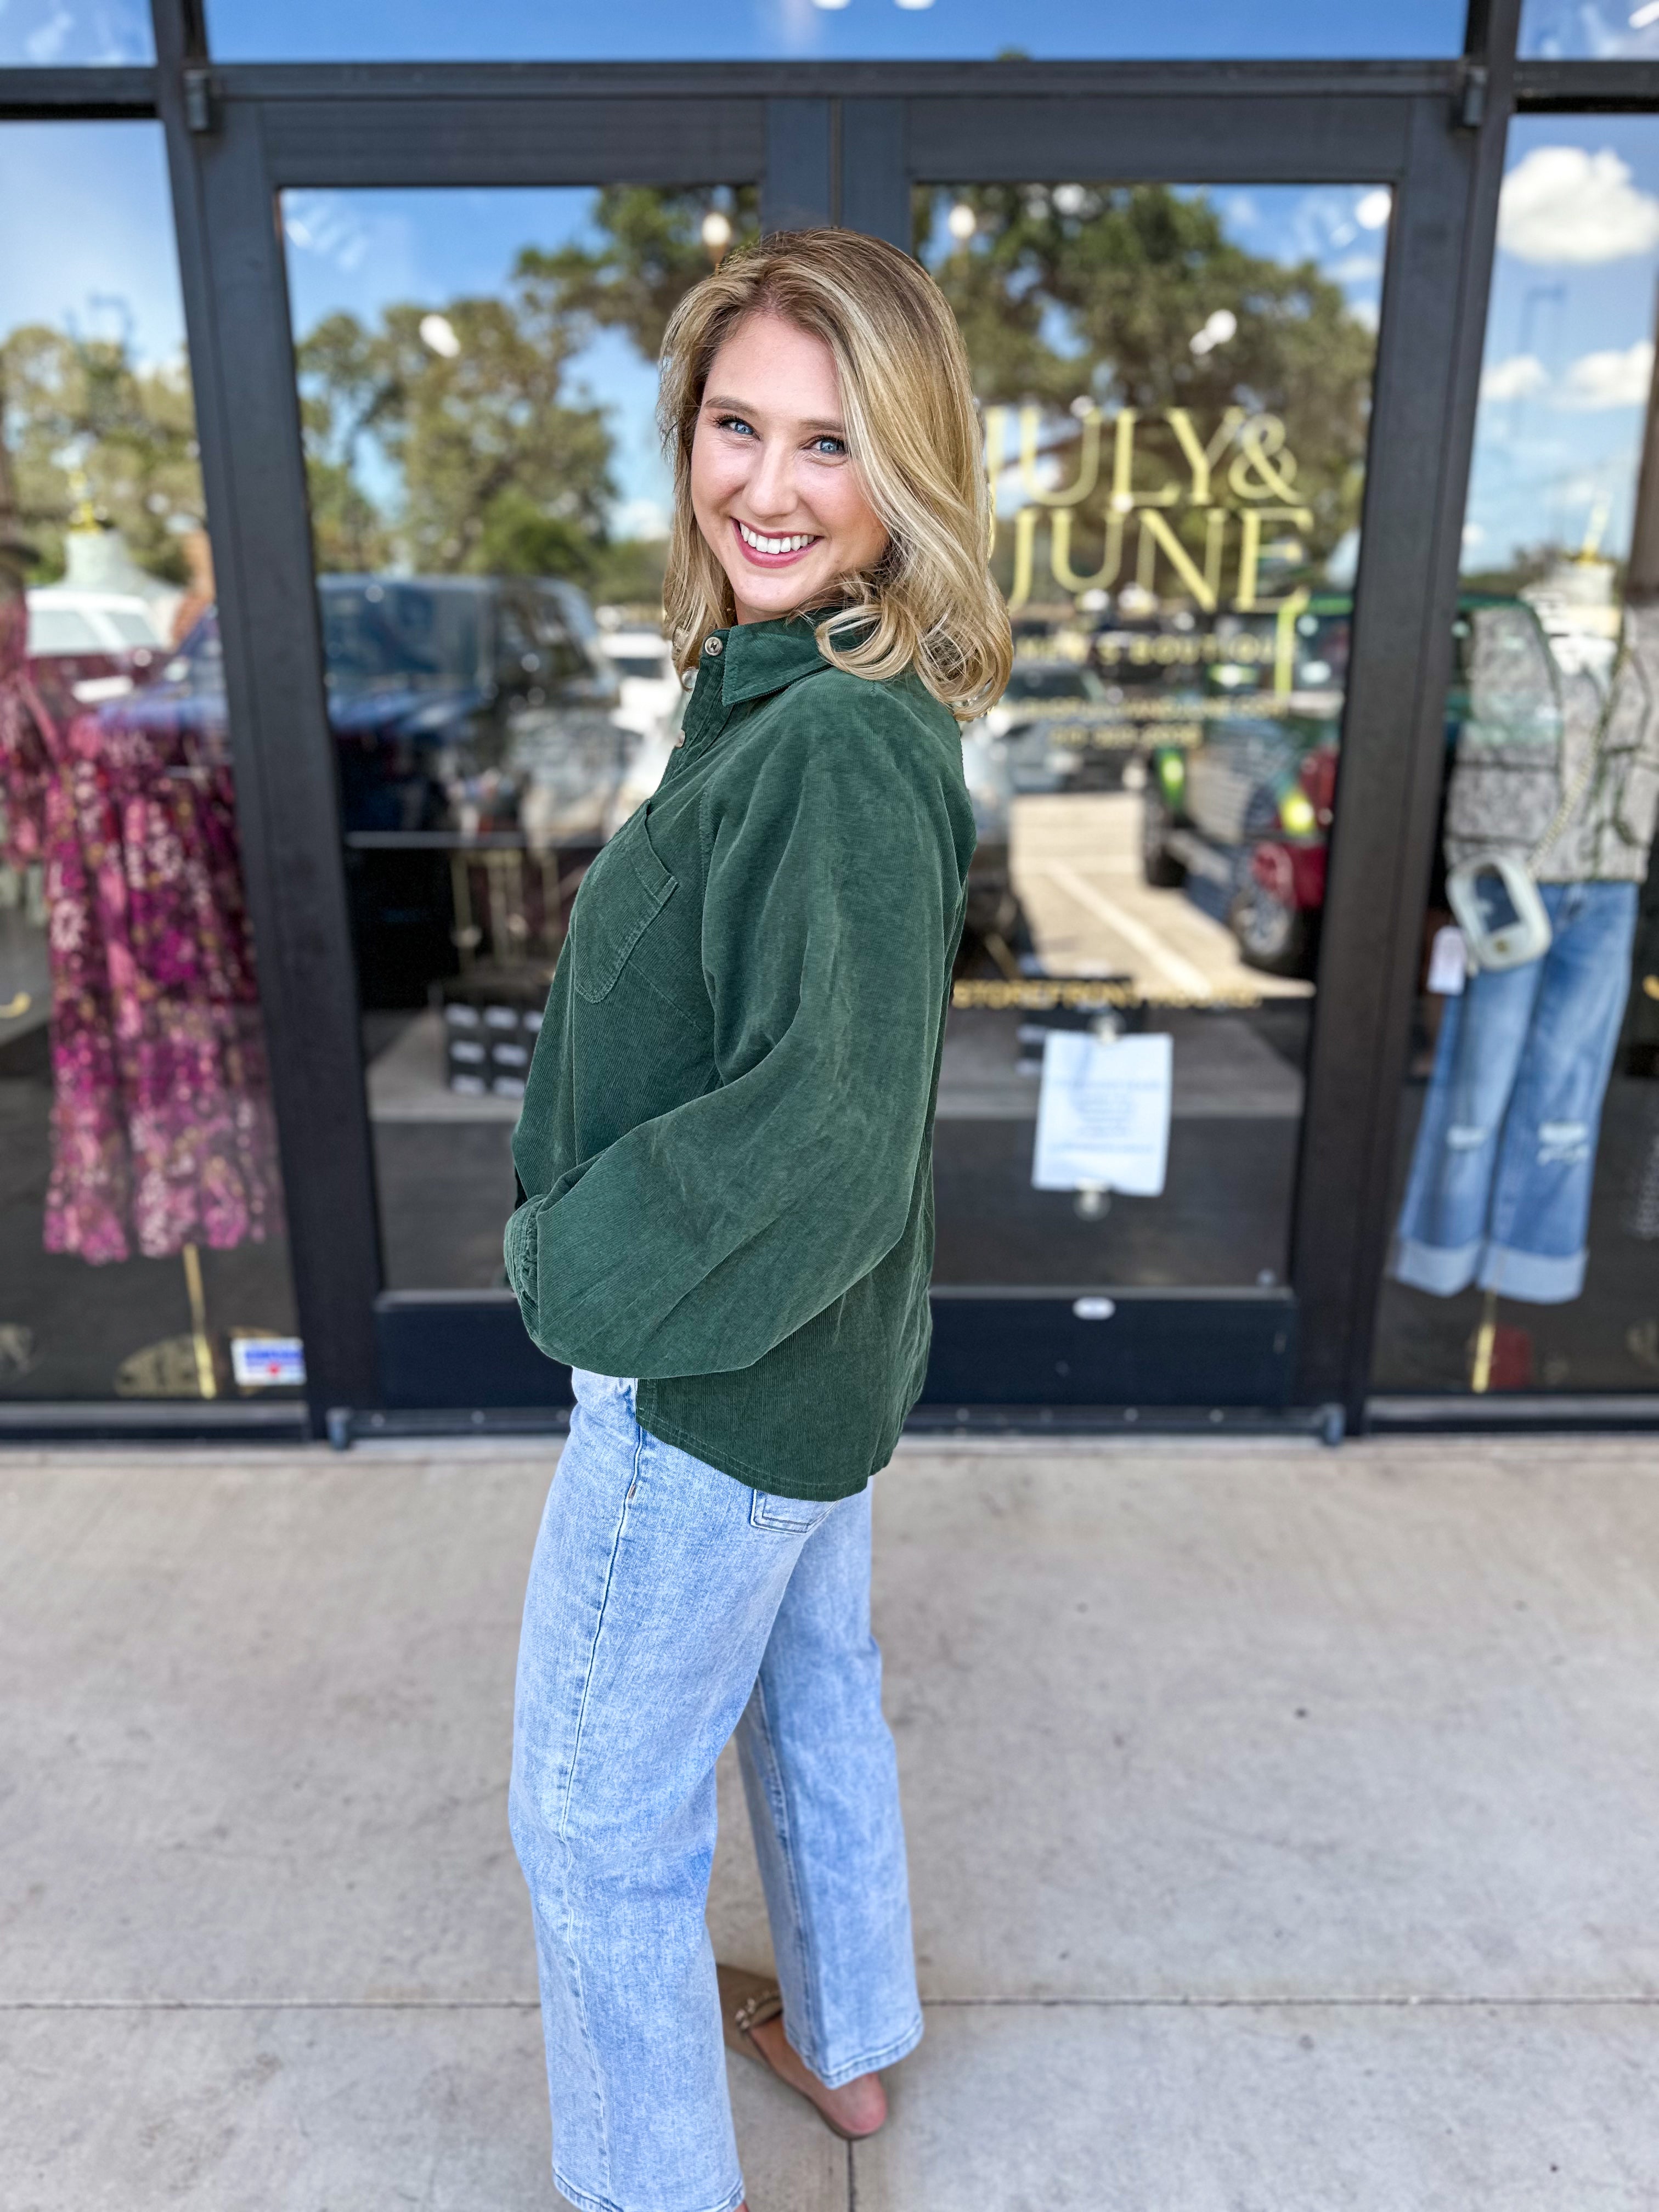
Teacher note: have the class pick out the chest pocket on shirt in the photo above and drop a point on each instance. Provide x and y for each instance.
(622, 895)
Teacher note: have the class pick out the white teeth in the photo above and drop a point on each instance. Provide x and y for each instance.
(773, 545)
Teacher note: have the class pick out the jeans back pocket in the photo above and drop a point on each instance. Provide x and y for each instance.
(789, 1516)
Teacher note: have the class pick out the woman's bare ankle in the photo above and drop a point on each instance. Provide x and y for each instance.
(859, 2107)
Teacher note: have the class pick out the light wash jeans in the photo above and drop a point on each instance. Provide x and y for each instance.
(668, 1605)
(1501, 1177)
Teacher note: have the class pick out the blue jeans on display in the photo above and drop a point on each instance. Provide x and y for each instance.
(1500, 1184)
(668, 1605)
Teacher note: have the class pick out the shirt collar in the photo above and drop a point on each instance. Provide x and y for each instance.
(757, 658)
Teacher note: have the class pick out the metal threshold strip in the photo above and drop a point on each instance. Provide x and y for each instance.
(1510, 1413)
(347, 1427)
(158, 1421)
(1325, 1422)
(185, 1422)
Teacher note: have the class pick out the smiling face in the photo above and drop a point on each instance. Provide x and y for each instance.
(773, 487)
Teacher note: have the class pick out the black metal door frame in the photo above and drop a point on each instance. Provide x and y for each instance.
(239, 137)
(844, 143)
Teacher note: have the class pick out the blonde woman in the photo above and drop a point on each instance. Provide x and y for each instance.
(726, 1224)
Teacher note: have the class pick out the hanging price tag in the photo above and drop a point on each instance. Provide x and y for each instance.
(1449, 962)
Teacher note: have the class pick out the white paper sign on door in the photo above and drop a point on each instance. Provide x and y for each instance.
(1103, 1113)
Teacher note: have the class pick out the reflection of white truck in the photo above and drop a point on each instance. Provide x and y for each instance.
(649, 690)
(97, 640)
(651, 706)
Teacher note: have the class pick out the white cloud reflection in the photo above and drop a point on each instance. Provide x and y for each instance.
(1518, 378)
(1618, 377)
(1565, 204)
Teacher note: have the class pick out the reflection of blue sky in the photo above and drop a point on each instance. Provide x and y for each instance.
(106, 234)
(760, 30)
(1342, 228)
(113, 31)
(366, 251)
(97, 254)
(89, 244)
(1588, 30)
(1566, 371)
(63, 31)
(42, 32)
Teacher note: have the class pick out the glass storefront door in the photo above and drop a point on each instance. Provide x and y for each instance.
(431, 433)
(143, 1252)
(1176, 387)
(417, 682)
(1525, 1255)
(489, 515)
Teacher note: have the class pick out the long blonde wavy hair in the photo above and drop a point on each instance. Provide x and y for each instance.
(914, 437)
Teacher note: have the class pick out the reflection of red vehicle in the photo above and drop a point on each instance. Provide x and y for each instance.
(1275, 914)
(1243, 821)
(1239, 812)
(1243, 818)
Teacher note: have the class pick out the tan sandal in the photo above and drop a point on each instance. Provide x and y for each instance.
(747, 2002)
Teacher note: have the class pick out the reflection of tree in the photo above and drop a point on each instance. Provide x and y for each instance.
(1098, 291)
(344, 395)
(498, 470)
(651, 253)
(93, 437)
(504, 469)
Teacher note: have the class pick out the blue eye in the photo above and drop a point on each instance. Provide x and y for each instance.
(735, 423)
(835, 446)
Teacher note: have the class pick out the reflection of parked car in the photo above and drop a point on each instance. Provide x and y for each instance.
(85, 647)
(1044, 734)
(469, 703)
(648, 762)
(1242, 814)
(1243, 817)
(1057, 728)
(993, 923)
(460, 707)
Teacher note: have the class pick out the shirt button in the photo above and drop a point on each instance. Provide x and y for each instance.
(714, 645)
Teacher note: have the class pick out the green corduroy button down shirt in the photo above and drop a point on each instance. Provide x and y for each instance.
(726, 1140)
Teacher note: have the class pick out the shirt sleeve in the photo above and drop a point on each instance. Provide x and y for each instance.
(704, 1237)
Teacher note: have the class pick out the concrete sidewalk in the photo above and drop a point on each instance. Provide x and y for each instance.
(1282, 1829)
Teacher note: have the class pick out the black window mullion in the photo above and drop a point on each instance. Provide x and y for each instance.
(848, 152)
(247, 426)
(798, 188)
(77, 95)
(875, 181)
(1433, 327)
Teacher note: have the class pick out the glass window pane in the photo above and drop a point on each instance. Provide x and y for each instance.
(55, 33)
(1589, 30)
(141, 1243)
(488, 510)
(824, 30)
(1177, 389)
(1527, 1230)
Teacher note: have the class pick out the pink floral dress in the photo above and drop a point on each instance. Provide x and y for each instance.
(162, 1132)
